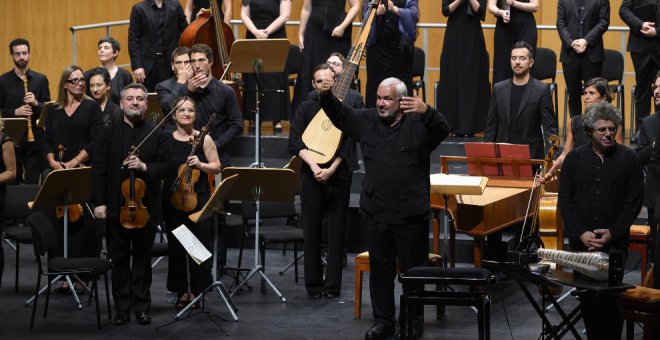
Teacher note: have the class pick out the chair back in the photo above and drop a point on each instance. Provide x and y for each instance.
(419, 63)
(43, 233)
(19, 195)
(545, 64)
(613, 66)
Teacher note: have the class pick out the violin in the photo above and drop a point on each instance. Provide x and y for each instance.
(133, 215)
(75, 210)
(184, 197)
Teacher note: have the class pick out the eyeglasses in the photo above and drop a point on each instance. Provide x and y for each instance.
(334, 63)
(603, 130)
(76, 81)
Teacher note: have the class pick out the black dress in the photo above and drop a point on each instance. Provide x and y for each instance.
(324, 16)
(199, 4)
(463, 91)
(273, 106)
(3, 139)
(521, 27)
(177, 275)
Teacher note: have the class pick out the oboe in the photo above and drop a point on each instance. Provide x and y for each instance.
(30, 134)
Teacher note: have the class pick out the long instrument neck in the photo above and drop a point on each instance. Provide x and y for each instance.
(223, 55)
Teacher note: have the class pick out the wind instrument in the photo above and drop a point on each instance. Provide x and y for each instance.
(30, 134)
(595, 265)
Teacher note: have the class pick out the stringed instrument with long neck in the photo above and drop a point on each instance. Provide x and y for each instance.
(550, 223)
(321, 137)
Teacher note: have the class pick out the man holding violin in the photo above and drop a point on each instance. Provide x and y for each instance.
(132, 155)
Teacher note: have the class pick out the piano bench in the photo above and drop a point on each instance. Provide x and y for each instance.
(478, 280)
(362, 265)
(639, 243)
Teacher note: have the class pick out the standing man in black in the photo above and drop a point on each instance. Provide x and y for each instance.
(600, 195)
(14, 102)
(211, 96)
(396, 139)
(650, 158)
(131, 280)
(153, 33)
(644, 48)
(520, 109)
(581, 25)
(180, 62)
(325, 192)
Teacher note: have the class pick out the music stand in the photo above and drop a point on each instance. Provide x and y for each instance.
(255, 56)
(261, 184)
(15, 128)
(446, 185)
(62, 188)
(212, 208)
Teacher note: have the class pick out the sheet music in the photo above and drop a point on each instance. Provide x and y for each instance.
(459, 180)
(193, 246)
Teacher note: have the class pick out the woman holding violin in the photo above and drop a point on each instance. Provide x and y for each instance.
(186, 191)
(71, 127)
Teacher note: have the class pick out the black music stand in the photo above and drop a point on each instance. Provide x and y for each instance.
(15, 128)
(261, 184)
(256, 56)
(62, 188)
(212, 208)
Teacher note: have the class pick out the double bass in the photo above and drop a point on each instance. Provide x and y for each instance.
(209, 29)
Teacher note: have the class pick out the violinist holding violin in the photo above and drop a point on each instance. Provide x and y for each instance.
(130, 154)
(186, 191)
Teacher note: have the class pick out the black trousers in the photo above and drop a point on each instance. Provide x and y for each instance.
(329, 200)
(575, 74)
(30, 162)
(179, 263)
(646, 68)
(388, 243)
(379, 70)
(161, 70)
(131, 266)
(602, 314)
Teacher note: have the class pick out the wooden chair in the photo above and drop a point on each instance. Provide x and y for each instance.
(362, 265)
(639, 243)
(642, 304)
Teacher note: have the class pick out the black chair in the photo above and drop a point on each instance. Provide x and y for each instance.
(545, 68)
(293, 62)
(478, 280)
(613, 72)
(44, 239)
(16, 211)
(418, 67)
(159, 249)
(275, 232)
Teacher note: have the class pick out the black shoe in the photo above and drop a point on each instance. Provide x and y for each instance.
(330, 294)
(143, 318)
(121, 318)
(379, 331)
(418, 330)
(635, 138)
(315, 295)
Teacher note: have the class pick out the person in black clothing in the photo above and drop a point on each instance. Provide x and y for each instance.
(600, 195)
(396, 140)
(390, 44)
(99, 85)
(153, 33)
(325, 191)
(204, 161)
(14, 102)
(211, 96)
(71, 127)
(581, 25)
(644, 48)
(648, 135)
(131, 280)
(180, 61)
(193, 7)
(108, 50)
(353, 98)
(7, 175)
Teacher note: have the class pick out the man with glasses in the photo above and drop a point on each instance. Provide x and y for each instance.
(600, 196)
(16, 103)
(211, 96)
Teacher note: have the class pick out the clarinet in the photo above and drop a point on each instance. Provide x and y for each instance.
(30, 134)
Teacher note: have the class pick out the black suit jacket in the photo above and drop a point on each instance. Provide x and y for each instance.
(142, 44)
(594, 23)
(650, 157)
(636, 41)
(535, 110)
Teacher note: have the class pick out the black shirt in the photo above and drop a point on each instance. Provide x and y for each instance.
(12, 94)
(111, 150)
(516, 96)
(111, 114)
(595, 194)
(215, 98)
(75, 132)
(396, 187)
(121, 79)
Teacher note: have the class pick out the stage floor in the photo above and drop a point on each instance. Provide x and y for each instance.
(260, 316)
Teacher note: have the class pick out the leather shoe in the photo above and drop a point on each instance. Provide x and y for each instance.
(379, 331)
(330, 294)
(315, 295)
(143, 318)
(121, 318)
(418, 330)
